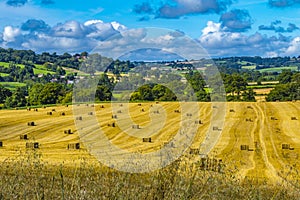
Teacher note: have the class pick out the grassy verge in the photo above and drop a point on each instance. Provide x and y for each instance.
(28, 177)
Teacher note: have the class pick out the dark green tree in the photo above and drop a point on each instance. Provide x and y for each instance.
(18, 99)
(4, 93)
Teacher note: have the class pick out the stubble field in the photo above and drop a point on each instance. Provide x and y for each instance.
(268, 133)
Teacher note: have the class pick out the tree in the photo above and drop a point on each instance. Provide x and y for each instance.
(103, 93)
(50, 93)
(4, 93)
(234, 84)
(34, 94)
(249, 95)
(285, 76)
(17, 99)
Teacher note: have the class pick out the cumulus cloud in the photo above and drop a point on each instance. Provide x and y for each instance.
(114, 40)
(72, 29)
(35, 25)
(283, 3)
(236, 20)
(279, 29)
(71, 36)
(220, 42)
(16, 3)
(293, 48)
(10, 34)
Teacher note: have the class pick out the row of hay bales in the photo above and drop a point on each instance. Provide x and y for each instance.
(51, 113)
(283, 146)
(35, 145)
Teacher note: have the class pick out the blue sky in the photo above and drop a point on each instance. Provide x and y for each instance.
(222, 27)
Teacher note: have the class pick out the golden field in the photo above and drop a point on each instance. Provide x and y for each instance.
(263, 127)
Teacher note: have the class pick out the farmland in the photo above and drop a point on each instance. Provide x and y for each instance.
(263, 128)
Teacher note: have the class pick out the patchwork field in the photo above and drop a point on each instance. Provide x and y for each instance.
(268, 131)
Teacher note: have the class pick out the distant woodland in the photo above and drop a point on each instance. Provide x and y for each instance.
(31, 79)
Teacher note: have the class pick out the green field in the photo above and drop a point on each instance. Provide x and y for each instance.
(12, 85)
(278, 69)
(3, 74)
(249, 67)
(6, 64)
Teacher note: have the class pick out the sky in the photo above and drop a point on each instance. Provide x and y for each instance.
(223, 28)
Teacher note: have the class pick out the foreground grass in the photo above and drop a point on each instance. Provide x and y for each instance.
(28, 177)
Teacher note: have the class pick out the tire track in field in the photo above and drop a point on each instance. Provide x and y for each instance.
(271, 170)
(240, 133)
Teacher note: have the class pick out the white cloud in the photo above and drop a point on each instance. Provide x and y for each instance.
(117, 26)
(219, 42)
(10, 33)
(91, 22)
(294, 47)
(69, 29)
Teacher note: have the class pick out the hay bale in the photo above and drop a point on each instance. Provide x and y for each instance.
(1, 144)
(136, 126)
(74, 146)
(49, 113)
(156, 112)
(273, 118)
(69, 131)
(79, 118)
(67, 105)
(114, 116)
(24, 137)
(231, 110)
(291, 148)
(113, 124)
(101, 106)
(121, 105)
(198, 122)
(53, 110)
(90, 113)
(31, 124)
(215, 128)
(147, 140)
(139, 104)
(32, 145)
(250, 149)
(244, 147)
(215, 106)
(63, 114)
(28, 109)
(119, 111)
(249, 107)
(293, 118)
(176, 111)
(36, 110)
(142, 110)
(285, 146)
(249, 120)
